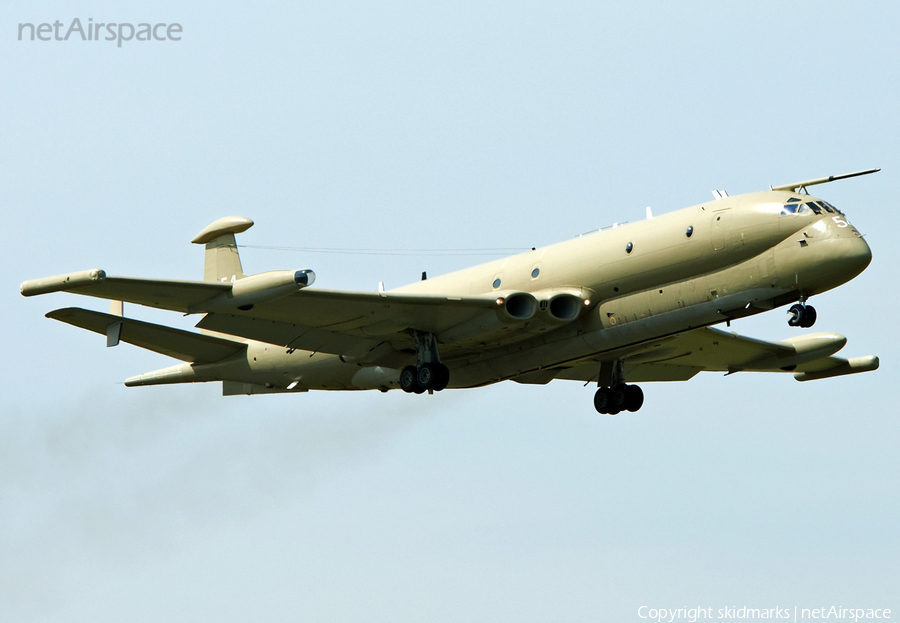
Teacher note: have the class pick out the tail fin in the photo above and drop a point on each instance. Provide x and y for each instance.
(222, 261)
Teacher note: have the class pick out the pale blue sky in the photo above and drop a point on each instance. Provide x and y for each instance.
(453, 125)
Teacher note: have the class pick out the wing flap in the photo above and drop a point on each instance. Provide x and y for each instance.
(635, 373)
(177, 343)
(289, 335)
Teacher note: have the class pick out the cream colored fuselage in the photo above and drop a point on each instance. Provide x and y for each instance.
(696, 267)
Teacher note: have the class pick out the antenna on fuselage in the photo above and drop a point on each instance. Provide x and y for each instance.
(719, 194)
(649, 213)
(798, 186)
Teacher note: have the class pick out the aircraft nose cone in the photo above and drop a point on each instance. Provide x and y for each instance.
(854, 256)
(860, 253)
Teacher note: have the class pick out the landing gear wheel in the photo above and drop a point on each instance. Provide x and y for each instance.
(442, 377)
(427, 375)
(614, 400)
(634, 398)
(617, 396)
(602, 402)
(408, 379)
(795, 315)
(809, 317)
(800, 315)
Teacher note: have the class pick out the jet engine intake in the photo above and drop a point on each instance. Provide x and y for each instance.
(559, 306)
(563, 308)
(516, 307)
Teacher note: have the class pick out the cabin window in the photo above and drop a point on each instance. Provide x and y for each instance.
(496, 283)
(690, 231)
(629, 247)
(815, 208)
(789, 208)
(535, 273)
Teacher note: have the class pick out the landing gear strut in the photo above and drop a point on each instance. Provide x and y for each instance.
(613, 394)
(801, 315)
(429, 373)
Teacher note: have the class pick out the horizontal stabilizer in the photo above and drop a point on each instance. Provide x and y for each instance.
(177, 343)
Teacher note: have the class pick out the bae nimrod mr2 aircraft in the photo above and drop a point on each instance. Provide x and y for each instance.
(628, 304)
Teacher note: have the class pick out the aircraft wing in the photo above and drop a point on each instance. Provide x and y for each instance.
(682, 356)
(331, 321)
(350, 323)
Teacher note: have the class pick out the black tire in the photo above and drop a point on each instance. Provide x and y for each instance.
(618, 397)
(408, 379)
(442, 377)
(634, 398)
(795, 315)
(809, 317)
(427, 375)
(601, 401)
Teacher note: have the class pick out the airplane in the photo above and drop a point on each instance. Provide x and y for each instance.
(627, 304)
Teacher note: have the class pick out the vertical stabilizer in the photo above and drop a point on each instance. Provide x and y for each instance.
(222, 261)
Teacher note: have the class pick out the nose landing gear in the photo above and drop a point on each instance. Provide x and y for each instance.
(801, 315)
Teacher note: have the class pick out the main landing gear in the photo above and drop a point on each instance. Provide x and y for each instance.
(801, 315)
(613, 394)
(428, 373)
(621, 397)
(433, 376)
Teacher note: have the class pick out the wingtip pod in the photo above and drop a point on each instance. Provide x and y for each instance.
(59, 283)
(851, 366)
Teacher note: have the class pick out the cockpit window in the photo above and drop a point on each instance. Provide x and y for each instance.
(794, 206)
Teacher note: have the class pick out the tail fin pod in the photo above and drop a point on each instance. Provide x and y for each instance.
(222, 261)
